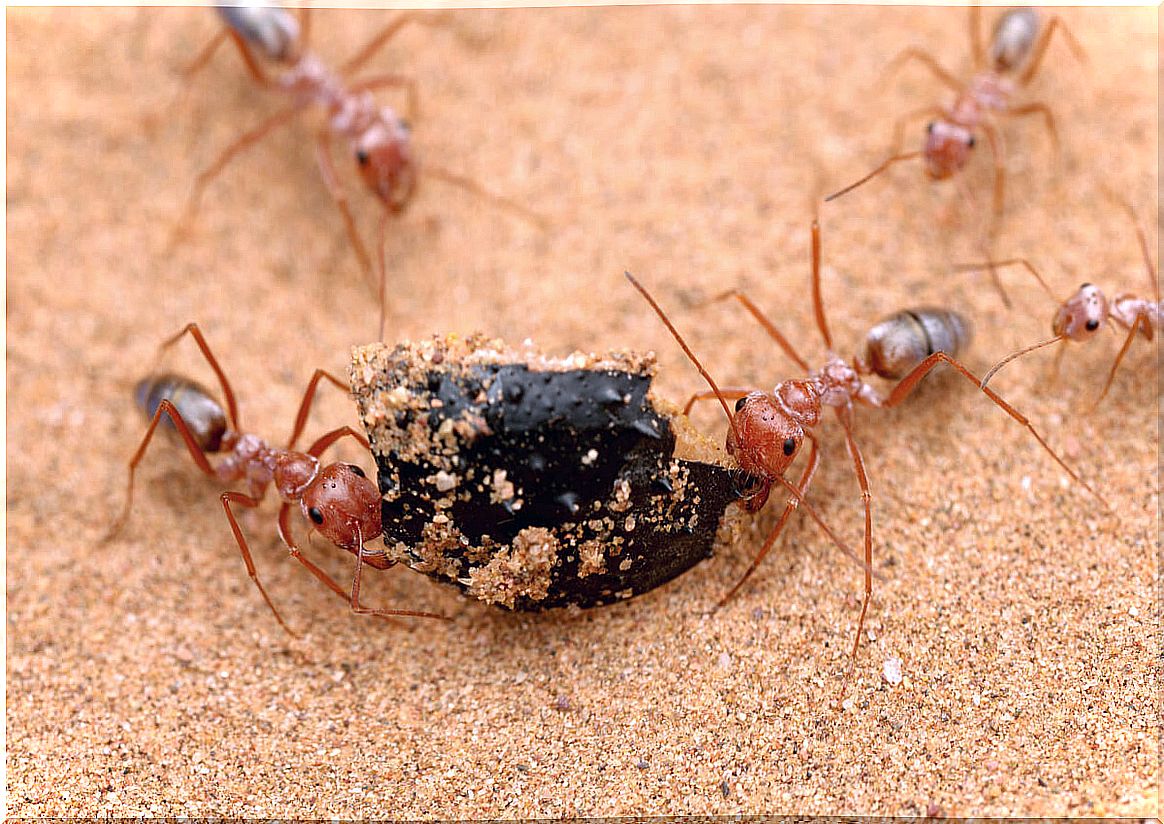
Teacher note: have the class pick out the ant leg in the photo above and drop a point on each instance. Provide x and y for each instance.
(789, 507)
(1048, 121)
(475, 188)
(998, 264)
(202, 59)
(289, 540)
(245, 500)
(204, 178)
(902, 390)
(380, 81)
(308, 399)
(1149, 267)
(977, 49)
(384, 35)
(763, 320)
(996, 151)
(845, 417)
(1140, 323)
(927, 60)
(360, 609)
(1056, 363)
(340, 197)
(253, 67)
(1041, 47)
(193, 331)
(164, 408)
(899, 124)
(324, 441)
(729, 393)
(304, 29)
(817, 301)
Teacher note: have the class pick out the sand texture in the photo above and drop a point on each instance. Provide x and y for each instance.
(1010, 651)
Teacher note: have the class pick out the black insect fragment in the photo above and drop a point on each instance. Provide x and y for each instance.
(532, 482)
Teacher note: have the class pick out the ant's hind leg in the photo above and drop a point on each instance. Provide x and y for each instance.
(205, 177)
(164, 408)
(340, 197)
(195, 332)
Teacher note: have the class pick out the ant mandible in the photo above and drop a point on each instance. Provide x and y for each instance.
(767, 429)
(338, 499)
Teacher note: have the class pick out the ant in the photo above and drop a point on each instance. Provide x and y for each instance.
(1085, 313)
(340, 501)
(767, 429)
(1016, 43)
(379, 140)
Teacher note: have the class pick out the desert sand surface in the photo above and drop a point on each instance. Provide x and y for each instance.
(688, 145)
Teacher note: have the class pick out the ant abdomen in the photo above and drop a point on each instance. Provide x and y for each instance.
(202, 414)
(904, 339)
(271, 29)
(1014, 36)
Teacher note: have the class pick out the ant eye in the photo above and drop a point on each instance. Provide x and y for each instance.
(358, 470)
(404, 124)
(1092, 325)
(970, 142)
(361, 157)
(315, 515)
(740, 403)
(789, 446)
(930, 127)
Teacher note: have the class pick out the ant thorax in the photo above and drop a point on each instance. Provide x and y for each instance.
(252, 460)
(1125, 307)
(990, 91)
(310, 81)
(837, 382)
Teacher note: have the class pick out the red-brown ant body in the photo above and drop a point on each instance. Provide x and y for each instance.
(950, 138)
(767, 429)
(342, 504)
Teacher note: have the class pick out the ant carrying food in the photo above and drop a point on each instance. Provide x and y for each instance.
(768, 429)
(338, 499)
(1081, 317)
(379, 140)
(1012, 60)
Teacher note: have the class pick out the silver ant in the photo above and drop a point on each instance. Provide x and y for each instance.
(379, 140)
(1011, 61)
(338, 499)
(1082, 316)
(767, 429)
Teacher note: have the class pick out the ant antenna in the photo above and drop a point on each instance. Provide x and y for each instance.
(986, 378)
(691, 355)
(873, 174)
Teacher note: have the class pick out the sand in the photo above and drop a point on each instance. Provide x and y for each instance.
(1008, 661)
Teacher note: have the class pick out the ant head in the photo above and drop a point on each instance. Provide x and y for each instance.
(947, 148)
(383, 154)
(343, 505)
(1082, 315)
(769, 437)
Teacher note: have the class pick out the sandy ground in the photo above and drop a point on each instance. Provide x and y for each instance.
(145, 675)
